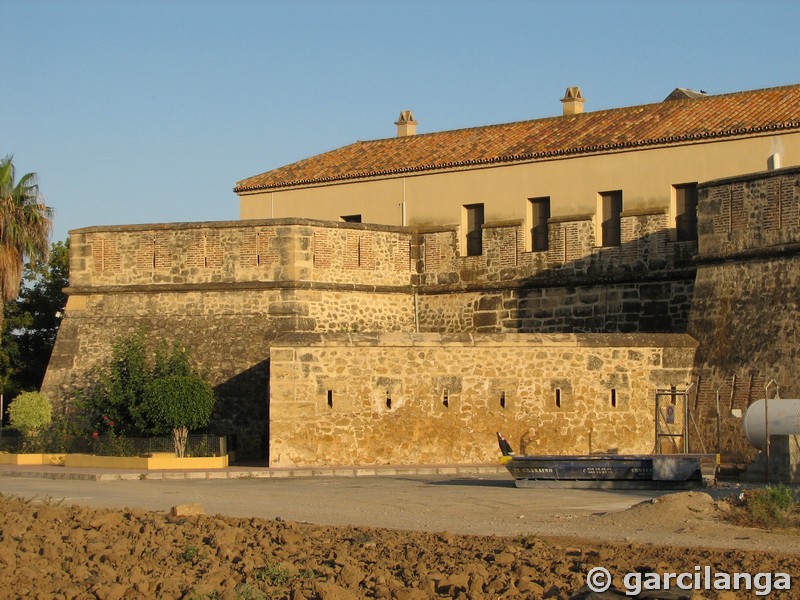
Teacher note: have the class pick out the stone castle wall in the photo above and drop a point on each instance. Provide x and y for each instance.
(746, 308)
(403, 398)
(225, 291)
(228, 290)
(644, 285)
(645, 250)
(614, 306)
(239, 252)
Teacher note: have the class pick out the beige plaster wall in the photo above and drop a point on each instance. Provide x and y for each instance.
(644, 176)
(344, 399)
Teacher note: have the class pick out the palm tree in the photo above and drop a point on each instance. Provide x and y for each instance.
(25, 226)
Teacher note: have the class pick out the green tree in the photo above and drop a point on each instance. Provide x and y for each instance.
(25, 226)
(29, 413)
(116, 396)
(32, 321)
(116, 403)
(172, 362)
(176, 404)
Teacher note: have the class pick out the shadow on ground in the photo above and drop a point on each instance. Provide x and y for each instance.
(468, 481)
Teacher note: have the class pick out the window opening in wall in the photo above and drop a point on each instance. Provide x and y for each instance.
(330, 398)
(351, 218)
(540, 213)
(446, 399)
(614, 398)
(558, 398)
(611, 206)
(473, 226)
(686, 212)
(388, 399)
(502, 399)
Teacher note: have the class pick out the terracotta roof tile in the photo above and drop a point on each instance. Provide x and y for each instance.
(668, 122)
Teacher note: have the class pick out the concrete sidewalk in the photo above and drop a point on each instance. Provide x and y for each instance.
(243, 472)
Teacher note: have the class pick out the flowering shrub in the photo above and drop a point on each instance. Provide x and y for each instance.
(106, 442)
(139, 393)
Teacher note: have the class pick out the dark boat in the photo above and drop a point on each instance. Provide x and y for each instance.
(643, 471)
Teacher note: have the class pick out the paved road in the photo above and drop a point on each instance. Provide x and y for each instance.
(484, 505)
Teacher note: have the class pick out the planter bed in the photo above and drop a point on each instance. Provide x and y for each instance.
(7, 458)
(155, 461)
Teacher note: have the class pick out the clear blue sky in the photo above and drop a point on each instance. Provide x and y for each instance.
(149, 111)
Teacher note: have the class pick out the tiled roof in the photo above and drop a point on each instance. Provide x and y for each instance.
(664, 123)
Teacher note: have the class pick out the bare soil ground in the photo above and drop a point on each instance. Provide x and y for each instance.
(51, 551)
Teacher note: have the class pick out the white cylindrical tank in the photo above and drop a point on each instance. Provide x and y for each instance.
(784, 419)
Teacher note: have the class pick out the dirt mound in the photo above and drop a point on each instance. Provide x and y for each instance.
(50, 551)
(666, 511)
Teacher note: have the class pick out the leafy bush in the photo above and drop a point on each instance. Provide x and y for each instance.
(120, 384)
(116, 405)
(178, 403)
(772, 506)
(55, 437)
(201, 449)
(109, 443)
(29, 413)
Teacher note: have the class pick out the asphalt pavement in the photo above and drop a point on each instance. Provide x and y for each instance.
(477, 500)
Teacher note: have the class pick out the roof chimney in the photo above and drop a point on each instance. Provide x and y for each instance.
(406, 125)
(572, 101)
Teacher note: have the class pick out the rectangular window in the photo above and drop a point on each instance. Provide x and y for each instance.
(611, 206)
(351, 218)
(540, 213)
(686, 212)
(473, 225)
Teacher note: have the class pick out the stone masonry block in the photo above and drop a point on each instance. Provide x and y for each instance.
(677, 358)
(490, 303)
(288, 308)
(281, 355)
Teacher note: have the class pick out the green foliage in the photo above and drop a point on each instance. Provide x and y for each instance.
(116, 397)
(55, 437)
(245, 591)
(202, 449)
(30, 412)
(31, 322)
(25, 226)
(115, 402)
(772, 506)
(109, 443)
(174, 362)
(192, 554)
(178, 401)
(272, 574)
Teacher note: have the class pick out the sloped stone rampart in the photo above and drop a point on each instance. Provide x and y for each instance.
(746, 308)
(404, 398)
(228, 334)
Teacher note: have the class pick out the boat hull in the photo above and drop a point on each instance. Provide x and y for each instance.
(658, 471)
